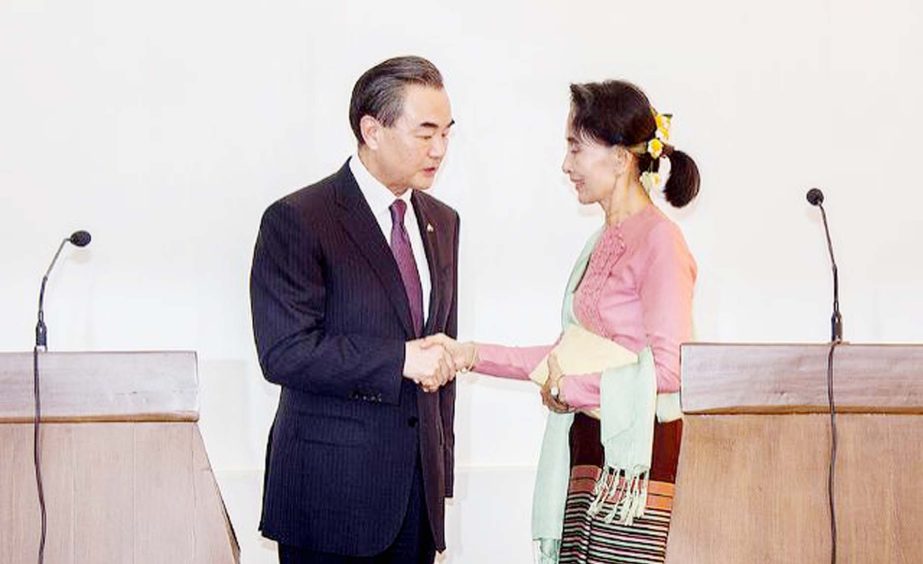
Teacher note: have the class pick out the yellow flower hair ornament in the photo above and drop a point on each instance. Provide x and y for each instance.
(656, 148)
(664, 122)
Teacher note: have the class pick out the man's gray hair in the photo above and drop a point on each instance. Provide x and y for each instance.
(379, 92)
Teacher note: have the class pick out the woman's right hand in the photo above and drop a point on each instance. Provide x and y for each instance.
(465, 354)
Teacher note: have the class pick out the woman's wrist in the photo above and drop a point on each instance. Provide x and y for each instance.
(471, 356)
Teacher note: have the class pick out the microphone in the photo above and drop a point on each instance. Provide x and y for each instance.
(816, 198)
(78, 239)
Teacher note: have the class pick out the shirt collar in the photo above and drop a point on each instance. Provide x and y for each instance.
(378, 196)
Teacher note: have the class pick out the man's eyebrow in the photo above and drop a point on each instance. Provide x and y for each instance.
(572, 139)
(431, 125)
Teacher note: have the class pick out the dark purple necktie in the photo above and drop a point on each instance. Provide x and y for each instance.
(403, 254)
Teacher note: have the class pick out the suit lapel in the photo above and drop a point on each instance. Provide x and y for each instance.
(360, 224)
(432, 244)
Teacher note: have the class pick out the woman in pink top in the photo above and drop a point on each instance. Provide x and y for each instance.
(636, 290)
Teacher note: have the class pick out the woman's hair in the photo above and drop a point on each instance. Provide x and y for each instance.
(616, 112)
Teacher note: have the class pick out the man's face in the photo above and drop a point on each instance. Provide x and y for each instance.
(409, 152)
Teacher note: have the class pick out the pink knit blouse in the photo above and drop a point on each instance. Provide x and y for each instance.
(636, 290)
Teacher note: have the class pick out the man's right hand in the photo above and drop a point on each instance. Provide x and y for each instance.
(465, 355)
(430, 367)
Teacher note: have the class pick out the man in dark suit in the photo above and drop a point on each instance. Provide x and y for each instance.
(348, 275)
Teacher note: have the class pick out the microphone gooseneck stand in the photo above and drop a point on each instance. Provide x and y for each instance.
(79, 239)
(816, 198)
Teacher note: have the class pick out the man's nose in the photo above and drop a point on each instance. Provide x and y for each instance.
(438, 146)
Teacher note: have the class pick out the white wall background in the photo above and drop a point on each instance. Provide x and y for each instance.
(165, 128)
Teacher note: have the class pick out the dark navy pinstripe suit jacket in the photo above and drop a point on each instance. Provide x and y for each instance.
(330, 318)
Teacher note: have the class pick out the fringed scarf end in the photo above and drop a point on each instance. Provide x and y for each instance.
(623, 492)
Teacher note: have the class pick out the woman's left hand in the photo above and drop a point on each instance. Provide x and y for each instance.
(555, 378)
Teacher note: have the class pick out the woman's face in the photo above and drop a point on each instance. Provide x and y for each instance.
(592, 166)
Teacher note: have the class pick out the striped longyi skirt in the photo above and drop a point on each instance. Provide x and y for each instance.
(588, 539)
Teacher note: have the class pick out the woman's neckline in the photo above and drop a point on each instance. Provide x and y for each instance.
(631, 218)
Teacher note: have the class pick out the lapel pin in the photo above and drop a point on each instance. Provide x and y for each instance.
(429, 228)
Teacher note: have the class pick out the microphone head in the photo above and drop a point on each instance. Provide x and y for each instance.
(815, 197)
(80, 238)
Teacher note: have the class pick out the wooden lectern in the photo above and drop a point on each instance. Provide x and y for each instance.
(752, 478)
(126, 476)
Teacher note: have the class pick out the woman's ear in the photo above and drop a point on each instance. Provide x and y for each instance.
(622, 160)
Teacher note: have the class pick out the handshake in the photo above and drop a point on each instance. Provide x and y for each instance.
(432, 362)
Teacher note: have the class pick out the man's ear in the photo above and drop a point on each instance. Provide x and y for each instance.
(371, 131)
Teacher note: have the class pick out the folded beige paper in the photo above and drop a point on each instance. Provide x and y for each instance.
(583, 352)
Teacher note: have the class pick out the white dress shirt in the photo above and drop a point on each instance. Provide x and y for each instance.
(380, 198)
